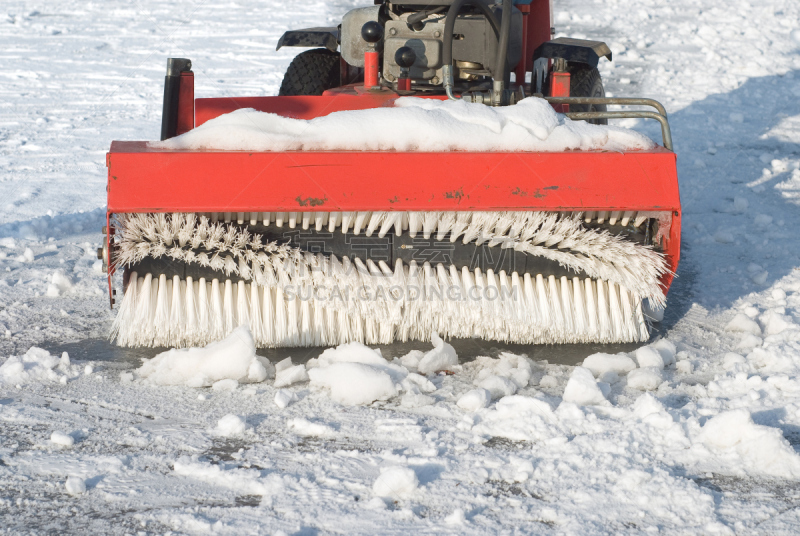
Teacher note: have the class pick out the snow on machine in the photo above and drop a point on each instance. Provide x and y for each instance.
(312, 245)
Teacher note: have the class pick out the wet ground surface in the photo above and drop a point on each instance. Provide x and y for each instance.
(467, 349)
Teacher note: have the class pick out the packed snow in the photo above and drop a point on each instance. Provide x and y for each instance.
(412, 124)
(697, 432)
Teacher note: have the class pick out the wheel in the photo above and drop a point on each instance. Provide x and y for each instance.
(311, 72)
(585, 81)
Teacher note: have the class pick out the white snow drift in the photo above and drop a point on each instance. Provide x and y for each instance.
(413, 124)
(233, 358)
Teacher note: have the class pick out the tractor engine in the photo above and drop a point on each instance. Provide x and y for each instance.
(420, 26)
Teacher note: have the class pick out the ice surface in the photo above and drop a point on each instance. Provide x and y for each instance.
(233, 358)
(413, 124)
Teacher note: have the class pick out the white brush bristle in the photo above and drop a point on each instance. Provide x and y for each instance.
(294, 298)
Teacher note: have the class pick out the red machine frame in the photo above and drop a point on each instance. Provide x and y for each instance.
(144, 179)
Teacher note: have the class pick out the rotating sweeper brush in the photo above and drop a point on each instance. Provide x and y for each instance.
(311, 246)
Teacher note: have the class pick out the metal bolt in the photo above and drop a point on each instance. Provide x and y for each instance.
(100, 253)
(105, 229)
(392, 31)
(437, 33)
(390, 77)
(435, 80)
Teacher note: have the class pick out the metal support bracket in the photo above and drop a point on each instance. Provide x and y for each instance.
(660, 115)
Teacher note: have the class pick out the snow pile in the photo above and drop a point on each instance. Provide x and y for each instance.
(519, 418)
(37, 365)
(413, 124)
(396, 483)
(233, 358)
(500, 377)
(355, 374)
(735, 438)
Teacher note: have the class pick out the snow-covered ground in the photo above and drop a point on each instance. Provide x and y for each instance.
(701, 437)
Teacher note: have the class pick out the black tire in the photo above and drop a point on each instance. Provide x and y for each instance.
(585, 81)
(311, 72)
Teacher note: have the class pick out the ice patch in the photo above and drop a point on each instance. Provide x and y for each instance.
(396, 483)
(413, 124)
(232, 358)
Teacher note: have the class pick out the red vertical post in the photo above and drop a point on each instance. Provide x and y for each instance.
(559, 87)
(370, 69)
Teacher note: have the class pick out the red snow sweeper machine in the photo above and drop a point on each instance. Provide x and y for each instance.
(315, 247)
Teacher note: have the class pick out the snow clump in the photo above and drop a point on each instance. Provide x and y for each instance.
(37, 365)
(284, 398)
(61, 439)
(233, 358)
(582, 390)
(442, 357)
(287, 373)
(75, 485)
(396, 483)
(355, 374)
(600, 364)
(231, 426)
(474, 400)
